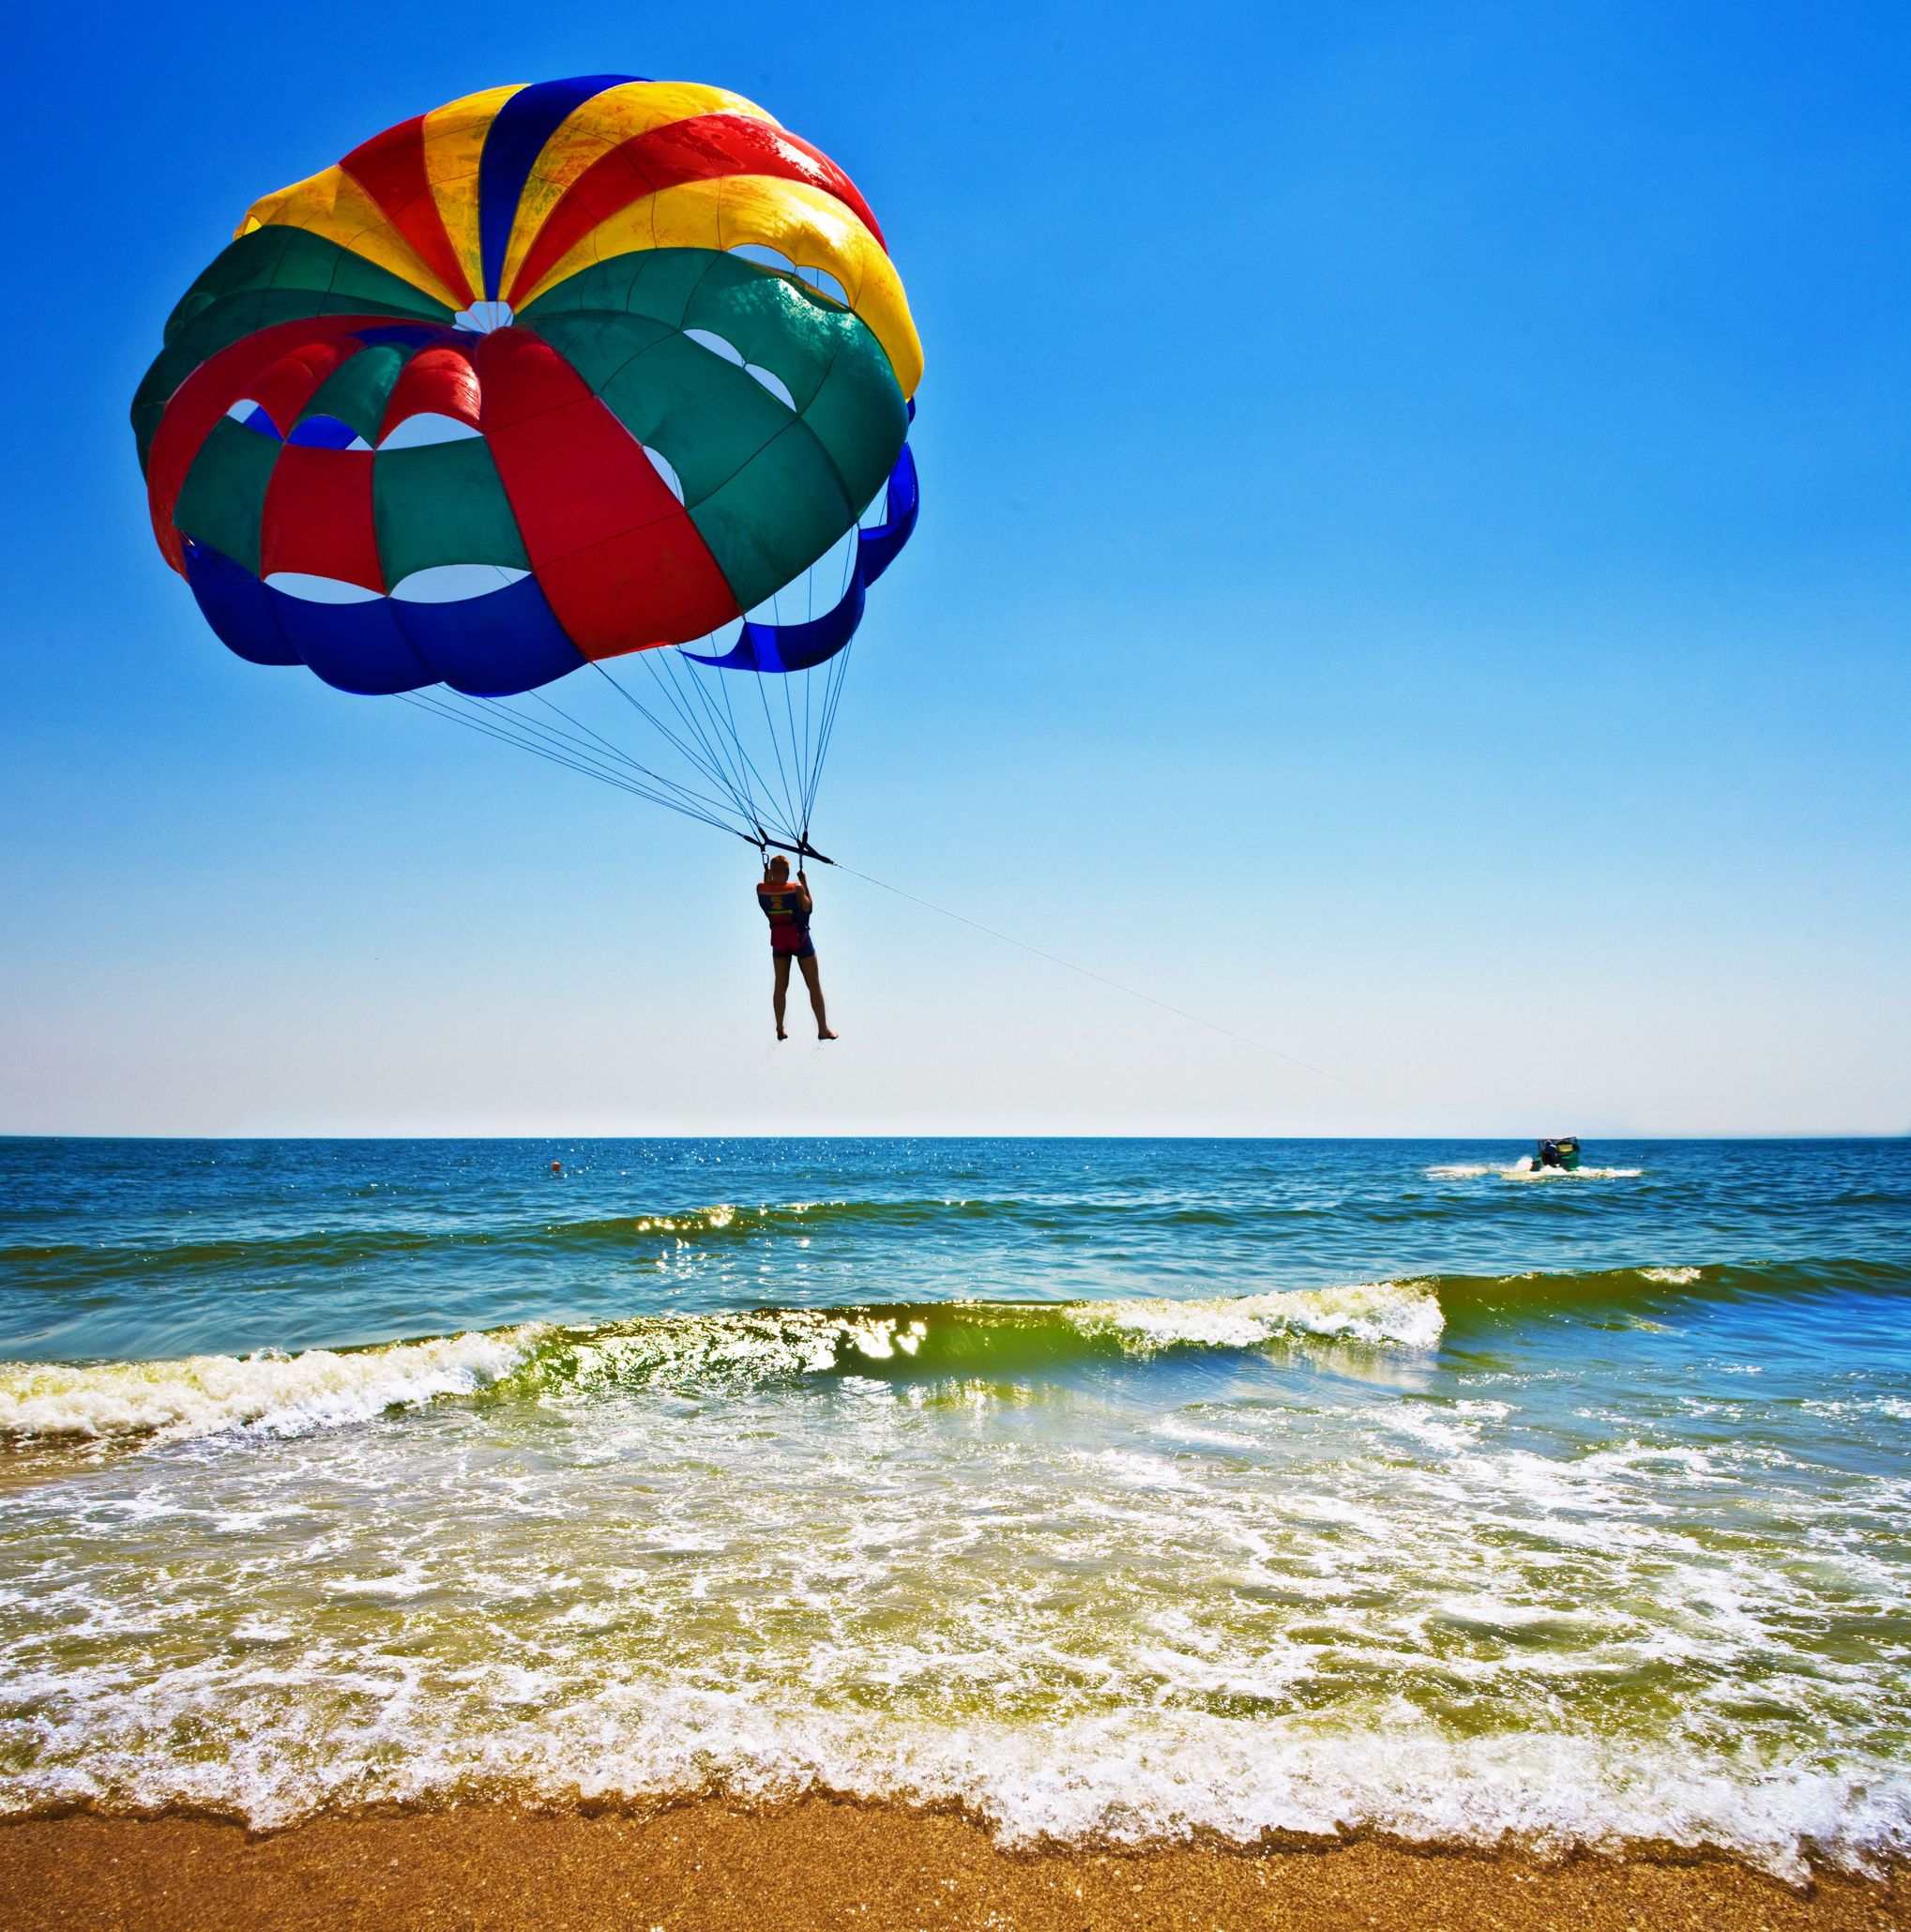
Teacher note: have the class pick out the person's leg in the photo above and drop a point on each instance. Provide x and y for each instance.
(813, 979)
(780, 997)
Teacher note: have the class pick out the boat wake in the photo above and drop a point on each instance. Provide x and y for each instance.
(1527, 1169)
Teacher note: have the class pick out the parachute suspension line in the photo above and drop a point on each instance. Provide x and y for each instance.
(715, 755)
(588, 764)
(785, 815)
(813, 748)
(808, 785)
(706, 764)
(838, 673)
(662, 730)
(800, 834)
(579, 747)
(696, 684)
(1180, 1012)
(577, 764)
(729, 782)
(832, 697)
(742, 779)
(836, 691)
(534, 735)
(571, 760)
(617, 752)
(674, 798)
(730, 717)
(770, 729)
(802, 816)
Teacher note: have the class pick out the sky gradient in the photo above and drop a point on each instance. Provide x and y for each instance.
(1413, 567)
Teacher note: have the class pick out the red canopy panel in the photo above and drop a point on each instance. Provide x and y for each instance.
(605, 536)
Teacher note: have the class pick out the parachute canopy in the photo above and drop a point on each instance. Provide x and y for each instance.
(548, 375)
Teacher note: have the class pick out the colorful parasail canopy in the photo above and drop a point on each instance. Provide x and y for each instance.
(548, 376)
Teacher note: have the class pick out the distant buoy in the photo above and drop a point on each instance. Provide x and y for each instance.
(557, 1167)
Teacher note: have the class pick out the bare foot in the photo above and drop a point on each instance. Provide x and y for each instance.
(824, 1033)
(780, 1034)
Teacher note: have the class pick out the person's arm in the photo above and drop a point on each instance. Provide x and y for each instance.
(803, 880)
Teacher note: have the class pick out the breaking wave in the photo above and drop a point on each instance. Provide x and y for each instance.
(271, 1392)
(278, 1392)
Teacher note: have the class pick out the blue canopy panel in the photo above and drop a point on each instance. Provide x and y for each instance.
(238, 606)
(903, 499)
(493, 646)
(512, 144)
(783, 647)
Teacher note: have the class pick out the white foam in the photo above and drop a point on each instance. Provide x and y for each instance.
(727, 1348)
(1400, 1312)
(273, 1393)
(772, 1344)
(1527, 1169)
(1127, 1778)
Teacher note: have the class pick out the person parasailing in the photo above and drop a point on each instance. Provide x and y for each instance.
(788, 908)
(628, 375)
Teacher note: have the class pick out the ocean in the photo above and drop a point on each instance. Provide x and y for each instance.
(1116, 1491)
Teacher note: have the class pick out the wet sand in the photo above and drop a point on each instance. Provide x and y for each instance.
(712, 1867)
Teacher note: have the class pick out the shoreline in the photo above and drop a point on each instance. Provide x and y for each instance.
(712, 1866)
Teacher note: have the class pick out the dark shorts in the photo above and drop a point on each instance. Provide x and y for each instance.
(792, 946)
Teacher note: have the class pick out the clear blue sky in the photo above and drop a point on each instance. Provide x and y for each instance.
(1414, 566)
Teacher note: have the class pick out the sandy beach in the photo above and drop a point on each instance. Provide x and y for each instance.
(820, 1863)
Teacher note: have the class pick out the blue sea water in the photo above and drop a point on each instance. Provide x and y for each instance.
(1115, 1489)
